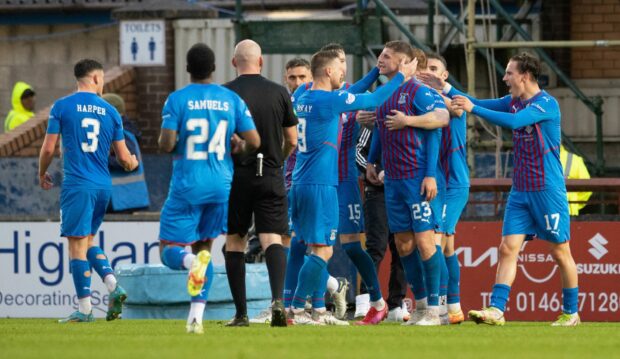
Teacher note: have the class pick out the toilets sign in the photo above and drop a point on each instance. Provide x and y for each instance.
(143, 43)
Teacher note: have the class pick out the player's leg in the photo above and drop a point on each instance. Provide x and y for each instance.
(456, 200)
(550, 211)
(99, 261)
(179, 223)
(438, 209)
(518, 224)
(241, 205)
(455, 313)
(400, 222)
(570, 286)
(76, 213)
(271, 220)
(315, 219)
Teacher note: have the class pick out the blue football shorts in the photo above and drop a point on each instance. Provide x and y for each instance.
(407, 210)
(184, 223)
(82, 211)
(315, 213)
(351, 210)
(543, 214)
(456, 200)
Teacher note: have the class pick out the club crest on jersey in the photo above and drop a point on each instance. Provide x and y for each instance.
(403, 98)
(332, 236)
(529, 129)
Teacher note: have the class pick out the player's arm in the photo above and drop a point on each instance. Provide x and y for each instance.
(362, 148)
(440, 117)
(347, 102)
(496, 104)
(373, 157)
(247, 142)
(429, 184)
(167, 140)
(250, 139)
(364, 84)
(289, 126)
(170, 126)
(46, 156)
(290, 140)
(454, 112)
(125, 158)
(528, 116)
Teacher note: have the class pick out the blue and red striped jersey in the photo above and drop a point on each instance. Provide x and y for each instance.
(409, 152)
(536, 135)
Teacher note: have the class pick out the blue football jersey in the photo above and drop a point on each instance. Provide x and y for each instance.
(205, 117)
(87, 125)
(319, 114)
(453, 155)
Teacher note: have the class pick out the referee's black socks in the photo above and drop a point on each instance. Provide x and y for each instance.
(275, 257)
(235, 271)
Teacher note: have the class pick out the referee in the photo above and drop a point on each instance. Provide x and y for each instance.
(258, 182)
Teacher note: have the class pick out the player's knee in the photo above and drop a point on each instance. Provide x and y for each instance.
(507, 250)
(561, 254)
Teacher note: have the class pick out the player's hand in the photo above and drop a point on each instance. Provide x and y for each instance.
(408, 69)
(133, 163)
(366, 118)
(381, 177)
(45, 181)
(431, 80)
(462, 103)
(429, 187)
(237, 144)
(396, 121)
(371, 175)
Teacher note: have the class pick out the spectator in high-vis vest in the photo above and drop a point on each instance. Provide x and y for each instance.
(23, 100)
(129, 190)
(574, 168)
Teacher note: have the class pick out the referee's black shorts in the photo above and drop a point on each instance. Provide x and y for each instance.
(264, 196)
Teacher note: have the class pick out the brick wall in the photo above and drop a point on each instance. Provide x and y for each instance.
(595, 20)
(26, 140)
(154, 84)
(47, 63)
(555, 25)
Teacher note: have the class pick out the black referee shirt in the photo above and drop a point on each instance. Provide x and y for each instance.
(271, 108)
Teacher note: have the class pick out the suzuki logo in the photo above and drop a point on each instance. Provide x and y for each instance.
(598, 249)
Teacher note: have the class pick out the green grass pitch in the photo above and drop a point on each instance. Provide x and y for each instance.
(141, 339)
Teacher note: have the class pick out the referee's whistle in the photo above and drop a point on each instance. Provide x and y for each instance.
(259, 165)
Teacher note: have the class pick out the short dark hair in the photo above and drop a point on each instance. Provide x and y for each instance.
(436, 56)
(297, 62)
(85, 66)
(321, 59)
(332, 46)
(526, 62)
(200, 61)
(401, 47)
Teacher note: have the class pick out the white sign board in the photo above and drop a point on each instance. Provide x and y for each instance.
(143, 43)
(35, 280)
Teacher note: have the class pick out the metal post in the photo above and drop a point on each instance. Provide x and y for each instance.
(358, 59)
(238, 19)
(600, 154)
(471, 78)
(430, 27)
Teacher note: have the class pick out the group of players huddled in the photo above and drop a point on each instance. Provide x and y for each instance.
(418, 153)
